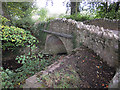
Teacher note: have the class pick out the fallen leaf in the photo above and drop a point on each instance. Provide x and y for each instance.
(106, 86)
(88, 86)
(102, 84)
(98, 67)
(18, 83)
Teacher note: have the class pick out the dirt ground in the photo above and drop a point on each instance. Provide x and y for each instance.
(81, 69)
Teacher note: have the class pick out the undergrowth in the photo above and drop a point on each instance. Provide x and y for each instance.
(78, 17)
(31, 65)
(12, 38)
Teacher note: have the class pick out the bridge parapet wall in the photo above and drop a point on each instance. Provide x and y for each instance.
(105, 23)
(102, 41)
(61, 26)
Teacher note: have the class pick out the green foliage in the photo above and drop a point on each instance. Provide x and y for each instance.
(50, 18)
(13, 8)
(13, 37)
(80, 44)
(4, 20)
(111, 11)
(31, 64)
(25, 23)
(78, 17)
(18, 9)
(38, 33)
(43, 14)
(74, 40)
(19, 13)
(6, 76)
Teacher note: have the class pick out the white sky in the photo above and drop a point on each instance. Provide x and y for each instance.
(57, 8)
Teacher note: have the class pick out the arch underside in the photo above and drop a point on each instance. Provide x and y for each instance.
(54, 45)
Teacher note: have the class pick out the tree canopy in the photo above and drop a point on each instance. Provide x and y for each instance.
(110, 10)
(19, 13)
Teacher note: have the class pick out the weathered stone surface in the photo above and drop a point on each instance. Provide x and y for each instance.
(107, 24)
(102, 41)
(54, 45)
(115, 82)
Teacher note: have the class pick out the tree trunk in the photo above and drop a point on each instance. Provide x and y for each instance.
(106, 7)
(75, 7)
(5, 11)
(1, 12)
(117, 6)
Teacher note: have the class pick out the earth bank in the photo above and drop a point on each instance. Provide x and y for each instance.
(81, 69)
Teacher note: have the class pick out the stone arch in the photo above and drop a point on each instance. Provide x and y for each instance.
(54, 45)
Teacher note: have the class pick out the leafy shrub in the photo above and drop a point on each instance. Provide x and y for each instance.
(38, 33)
(13, 37)
(109, 12)
(3, 20)
(31, 64)
(50, 18)
(24, 23)
(6, 78)
(78, 17)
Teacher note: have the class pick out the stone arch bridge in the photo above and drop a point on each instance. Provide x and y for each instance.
(63, 35)
(100, 35)
(59, 38)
